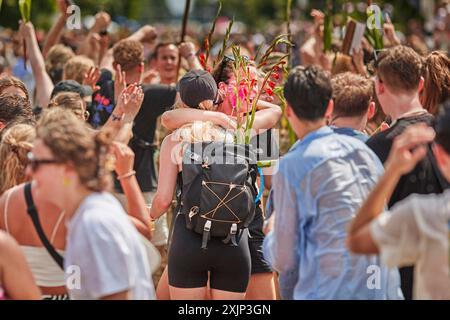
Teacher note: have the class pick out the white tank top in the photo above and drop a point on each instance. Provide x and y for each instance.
(45, 270)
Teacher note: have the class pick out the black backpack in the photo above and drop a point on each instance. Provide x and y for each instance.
(218, 193)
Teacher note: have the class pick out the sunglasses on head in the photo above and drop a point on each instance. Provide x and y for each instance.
(35, 163)
(225, 60)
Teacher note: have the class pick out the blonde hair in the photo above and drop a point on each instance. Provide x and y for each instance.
(14, 147)
(200, 131)
(71, 141)
(56, 59)
(77, 67)
(70, 101)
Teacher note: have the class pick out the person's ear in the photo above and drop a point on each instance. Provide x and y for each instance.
(379, 87)
(442, 158)
(141, 67)
(421, 84)
(330, 109)
(114, 65)
(371, 111)
(288, 111)
(2, 126)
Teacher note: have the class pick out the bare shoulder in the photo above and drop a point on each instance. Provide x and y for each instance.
(11, 201)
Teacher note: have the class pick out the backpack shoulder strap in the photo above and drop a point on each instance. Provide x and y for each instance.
(32, 212)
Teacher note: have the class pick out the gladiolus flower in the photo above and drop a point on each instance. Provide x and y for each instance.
(269, 92)
(271, 84)
(275, 76)
(243, 93)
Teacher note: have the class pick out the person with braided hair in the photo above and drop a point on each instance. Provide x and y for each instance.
(71, 168)
(14, 147)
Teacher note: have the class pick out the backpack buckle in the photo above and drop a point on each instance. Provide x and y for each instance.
(207, 227)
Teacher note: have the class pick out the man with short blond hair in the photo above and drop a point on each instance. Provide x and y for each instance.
(353, 105)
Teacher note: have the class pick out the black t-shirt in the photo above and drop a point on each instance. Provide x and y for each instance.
(102, 101)
(425, 178)
(157, 99)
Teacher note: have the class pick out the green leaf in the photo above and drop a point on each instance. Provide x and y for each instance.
(25, 10)
(1, 5)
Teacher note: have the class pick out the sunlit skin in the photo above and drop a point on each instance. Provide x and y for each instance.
(14, 91)
(167, 63)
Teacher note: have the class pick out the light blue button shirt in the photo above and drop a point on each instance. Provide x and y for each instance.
(321, 184)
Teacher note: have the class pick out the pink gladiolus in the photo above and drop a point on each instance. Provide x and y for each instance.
(243, 93)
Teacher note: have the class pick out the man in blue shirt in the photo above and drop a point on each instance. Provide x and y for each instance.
(353, 105)
(320, 185)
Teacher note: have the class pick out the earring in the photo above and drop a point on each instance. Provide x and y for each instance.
(66, 182)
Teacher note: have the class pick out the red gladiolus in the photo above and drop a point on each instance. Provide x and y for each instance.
(269, 92)
(271, 84)
(276, 68)
(275, 76)
(252, 84)
(202, 59)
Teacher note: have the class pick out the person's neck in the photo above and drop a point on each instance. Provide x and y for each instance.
(302, 128)
(73, 202)
(168, 81)
(132, 78)
(356, 123)
(405, 106)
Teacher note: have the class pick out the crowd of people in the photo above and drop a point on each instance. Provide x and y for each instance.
(103, 197)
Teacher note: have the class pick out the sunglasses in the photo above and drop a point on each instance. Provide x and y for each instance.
(35, 163)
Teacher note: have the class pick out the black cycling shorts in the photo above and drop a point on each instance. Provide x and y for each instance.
(255, 242)
(229, 267)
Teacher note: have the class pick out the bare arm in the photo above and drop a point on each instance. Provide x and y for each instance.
(401, 161)
(137, 207)
(55, 32)
(187, 51)
(120, 123)
(267, 116)
(175, 119)
(145, 34)
(168, 172)
(121, 296)
(102, 21)
(44, 85)
(15, 275)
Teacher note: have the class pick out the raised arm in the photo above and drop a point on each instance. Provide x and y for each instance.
(137, 208)
(187, 51)
(54, 35)
(120, 123)
(91, 45)
(44, 85)
(407, 150)
(145, 34)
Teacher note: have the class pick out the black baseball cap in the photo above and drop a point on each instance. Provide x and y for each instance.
(72, 86)
(197, 86)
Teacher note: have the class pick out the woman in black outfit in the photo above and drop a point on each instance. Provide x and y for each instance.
(190, 267)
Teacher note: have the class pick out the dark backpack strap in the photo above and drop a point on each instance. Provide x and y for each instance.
(32, 212)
